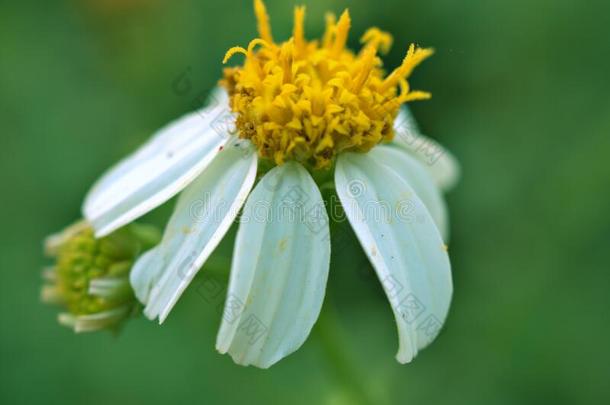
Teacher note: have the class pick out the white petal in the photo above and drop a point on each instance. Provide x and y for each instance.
(203, 214)
(280, 268)
(218, 96)
(53, 243)
(414, 172)
(443, 166)
(157, 171)
(94, 322)
(406, 121)
(144, 274)
(110, 288)
(403, 244)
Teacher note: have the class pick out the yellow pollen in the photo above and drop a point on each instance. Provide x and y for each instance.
(310, 100)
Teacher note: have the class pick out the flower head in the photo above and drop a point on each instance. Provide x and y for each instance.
(300, 107)
(90, 278)
(310, 100)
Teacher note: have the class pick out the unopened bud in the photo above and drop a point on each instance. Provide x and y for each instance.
(90, 277)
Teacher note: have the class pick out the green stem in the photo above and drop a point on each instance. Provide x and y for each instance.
(341, 359)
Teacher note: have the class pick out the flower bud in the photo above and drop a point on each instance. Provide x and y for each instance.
(90, 277)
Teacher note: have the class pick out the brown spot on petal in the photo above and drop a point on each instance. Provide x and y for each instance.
(283, 245)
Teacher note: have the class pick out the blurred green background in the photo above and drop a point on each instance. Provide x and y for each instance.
(521, 96)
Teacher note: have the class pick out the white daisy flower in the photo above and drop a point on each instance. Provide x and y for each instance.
(299, 113)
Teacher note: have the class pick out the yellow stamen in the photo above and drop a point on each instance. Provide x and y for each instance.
(286, 58)
(416, 96)
(329, 33)
(299, 28)
(310, 100)
(414, 57)
(343, 27)
(233, 51)
(264, 27)
(377, 39)
(255, 42)
(368, 60)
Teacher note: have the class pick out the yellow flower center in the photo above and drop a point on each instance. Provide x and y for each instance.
(310, 100)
